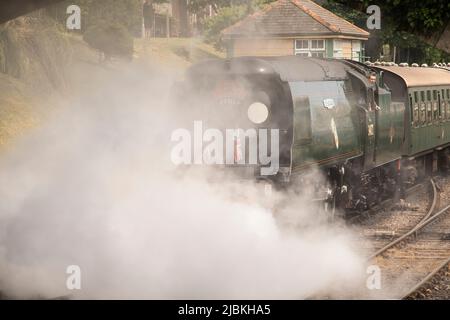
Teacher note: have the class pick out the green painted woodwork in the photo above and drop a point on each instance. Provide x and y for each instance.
(389, 128)
(429, 125)
(323, 135)
(329, 48)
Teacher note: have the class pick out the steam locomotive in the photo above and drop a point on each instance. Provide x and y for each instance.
(371, 130)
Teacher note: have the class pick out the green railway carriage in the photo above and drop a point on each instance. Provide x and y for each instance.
(426, 93)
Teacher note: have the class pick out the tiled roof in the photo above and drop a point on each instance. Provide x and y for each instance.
(293, 17)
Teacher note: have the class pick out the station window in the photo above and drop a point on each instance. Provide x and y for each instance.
(317, 44)
(434, 94)
(416, 96)
(301, 44)
(422, 96)
(310, 48)
(448, 93)
(428, 95)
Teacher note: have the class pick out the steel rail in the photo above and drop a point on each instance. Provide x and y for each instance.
(422, 223)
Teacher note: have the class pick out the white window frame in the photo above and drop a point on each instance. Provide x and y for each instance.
(309, 51)
(317, 48)
(338, 52)
(356, 50)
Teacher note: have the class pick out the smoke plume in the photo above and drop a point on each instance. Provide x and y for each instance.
(93, 186)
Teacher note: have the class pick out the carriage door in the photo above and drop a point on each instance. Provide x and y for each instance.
(369, 131)
(441, 116)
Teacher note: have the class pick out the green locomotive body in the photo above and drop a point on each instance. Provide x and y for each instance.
(369, 129)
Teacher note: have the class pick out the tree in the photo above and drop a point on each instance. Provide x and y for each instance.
(409, 47)
(112, 40)
(224, 18)
(127, 13)
(427, 19)
(229, 12)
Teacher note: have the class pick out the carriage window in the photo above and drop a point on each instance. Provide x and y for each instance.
(443, 105)
(429, 112)
(416, 113)
(415, 110)
(435, 106)
(439, 104)
(442, 108)
(423, 118)
(447, 104)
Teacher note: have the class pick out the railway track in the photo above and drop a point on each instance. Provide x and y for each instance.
(389, 221)
(414, 261)
(413, 231)
(434, 286)
(386, 226)
(409, 262)
(385, 205)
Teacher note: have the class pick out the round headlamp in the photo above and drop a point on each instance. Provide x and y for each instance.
(258, 112)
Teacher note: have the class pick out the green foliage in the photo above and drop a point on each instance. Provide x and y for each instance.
(356, 17)
(11, 53)
(127, 13)
(33, 49)
(426, 16)
(110, 39)
(225, 17)
(431, 55)
(399, 20)
(106, 25)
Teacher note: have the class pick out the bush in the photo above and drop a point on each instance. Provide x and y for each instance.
(112, 40)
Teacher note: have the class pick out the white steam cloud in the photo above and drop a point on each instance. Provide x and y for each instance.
(94, 187)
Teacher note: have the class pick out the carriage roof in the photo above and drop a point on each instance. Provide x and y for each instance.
(418, 76)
